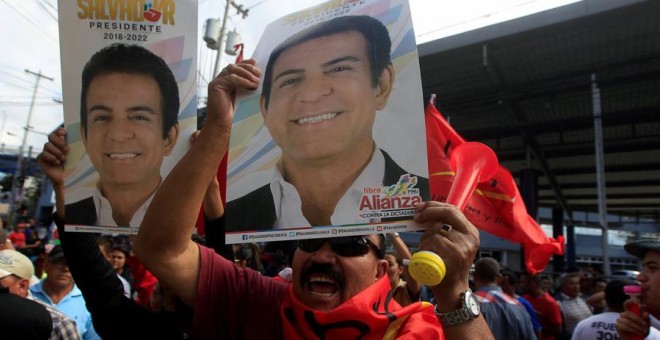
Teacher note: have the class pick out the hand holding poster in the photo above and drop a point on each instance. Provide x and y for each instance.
(129, 72)
(332, 143)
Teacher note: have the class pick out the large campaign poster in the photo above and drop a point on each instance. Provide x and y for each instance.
(126, 129)
(323, 148)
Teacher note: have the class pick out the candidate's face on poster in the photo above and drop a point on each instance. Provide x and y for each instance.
(124, 137)
(323, 103)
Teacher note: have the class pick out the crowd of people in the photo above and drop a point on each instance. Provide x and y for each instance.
(582, 305)
(164, 283)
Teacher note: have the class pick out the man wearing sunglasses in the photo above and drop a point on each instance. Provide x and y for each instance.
(340, 286)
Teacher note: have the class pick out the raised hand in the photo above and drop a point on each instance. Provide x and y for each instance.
(222, 91)
(52, 158)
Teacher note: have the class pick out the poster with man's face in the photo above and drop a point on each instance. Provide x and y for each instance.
(130, 105)
(332, 143)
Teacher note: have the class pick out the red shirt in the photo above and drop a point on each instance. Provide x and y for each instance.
(17, 238)
(548, 310)
(235, 303)
(144, 282)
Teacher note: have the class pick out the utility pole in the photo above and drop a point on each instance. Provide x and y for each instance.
(18, 174)
(221, 36)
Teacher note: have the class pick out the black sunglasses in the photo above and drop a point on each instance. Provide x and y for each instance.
(350, 246)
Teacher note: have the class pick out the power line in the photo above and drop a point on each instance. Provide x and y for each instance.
(50, 5)
(16, 77)
(47, 11)
(21, 104)
(30, 21)
(257, 4)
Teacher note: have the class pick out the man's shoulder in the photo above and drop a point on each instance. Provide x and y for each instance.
(81, 212)
(492, 294)
(57, 316)
(422, 324)
(394, 171)
(20, 317)
(37, 288)
(241, 214)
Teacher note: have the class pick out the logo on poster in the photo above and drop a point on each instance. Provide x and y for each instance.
(321, 12)
(396, 200)
(136, 11)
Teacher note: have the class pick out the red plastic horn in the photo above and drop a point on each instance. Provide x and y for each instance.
(473, 163)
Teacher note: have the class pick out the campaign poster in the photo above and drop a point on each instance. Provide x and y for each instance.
(124, 63)
(323, 148)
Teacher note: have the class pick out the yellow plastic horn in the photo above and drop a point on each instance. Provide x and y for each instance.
(427, 268)
(473, 163)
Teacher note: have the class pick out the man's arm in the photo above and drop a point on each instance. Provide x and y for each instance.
(403, 253)
(458, 250)
(98, 281)
(163, 242)
(215, 222)
(214, 210)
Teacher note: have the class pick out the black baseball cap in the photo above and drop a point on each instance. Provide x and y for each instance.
(639, 248)
(56, 254)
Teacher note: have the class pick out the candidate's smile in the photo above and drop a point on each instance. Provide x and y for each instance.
(317, 119)
(122, 156)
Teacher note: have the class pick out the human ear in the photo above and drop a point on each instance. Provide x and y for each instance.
(171, 138)
(262, 107)
(83, 135)
(381, 269)
(384, 86)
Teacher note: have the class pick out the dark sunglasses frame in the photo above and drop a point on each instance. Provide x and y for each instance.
(349, 246)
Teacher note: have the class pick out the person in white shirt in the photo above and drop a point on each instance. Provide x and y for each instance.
(603, 325)
(630, 323)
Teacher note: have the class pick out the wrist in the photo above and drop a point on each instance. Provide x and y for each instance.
(469, 309)
(449, 298)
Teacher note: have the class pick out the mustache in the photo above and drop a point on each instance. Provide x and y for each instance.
(322, 269)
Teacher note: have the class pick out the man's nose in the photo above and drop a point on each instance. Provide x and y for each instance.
(325, 254)
(121, 129)
(313, 89)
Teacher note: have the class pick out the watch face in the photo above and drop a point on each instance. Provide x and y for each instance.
(472, 303)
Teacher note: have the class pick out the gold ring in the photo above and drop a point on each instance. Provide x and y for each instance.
(445, 229)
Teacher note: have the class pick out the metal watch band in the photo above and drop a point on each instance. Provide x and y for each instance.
(453, 317)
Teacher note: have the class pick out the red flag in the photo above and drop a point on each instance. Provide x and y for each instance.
(239, 48)
(370, 314)
(496, 206)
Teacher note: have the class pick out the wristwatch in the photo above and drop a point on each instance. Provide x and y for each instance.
(468, 311)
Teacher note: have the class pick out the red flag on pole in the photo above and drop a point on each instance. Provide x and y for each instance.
(496, 206)
(239, 48)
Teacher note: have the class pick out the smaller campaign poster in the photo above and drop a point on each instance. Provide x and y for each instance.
(333, 141)
(130, 105)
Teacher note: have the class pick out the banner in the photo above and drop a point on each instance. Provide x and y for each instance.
(126, 129)
(334, 136)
